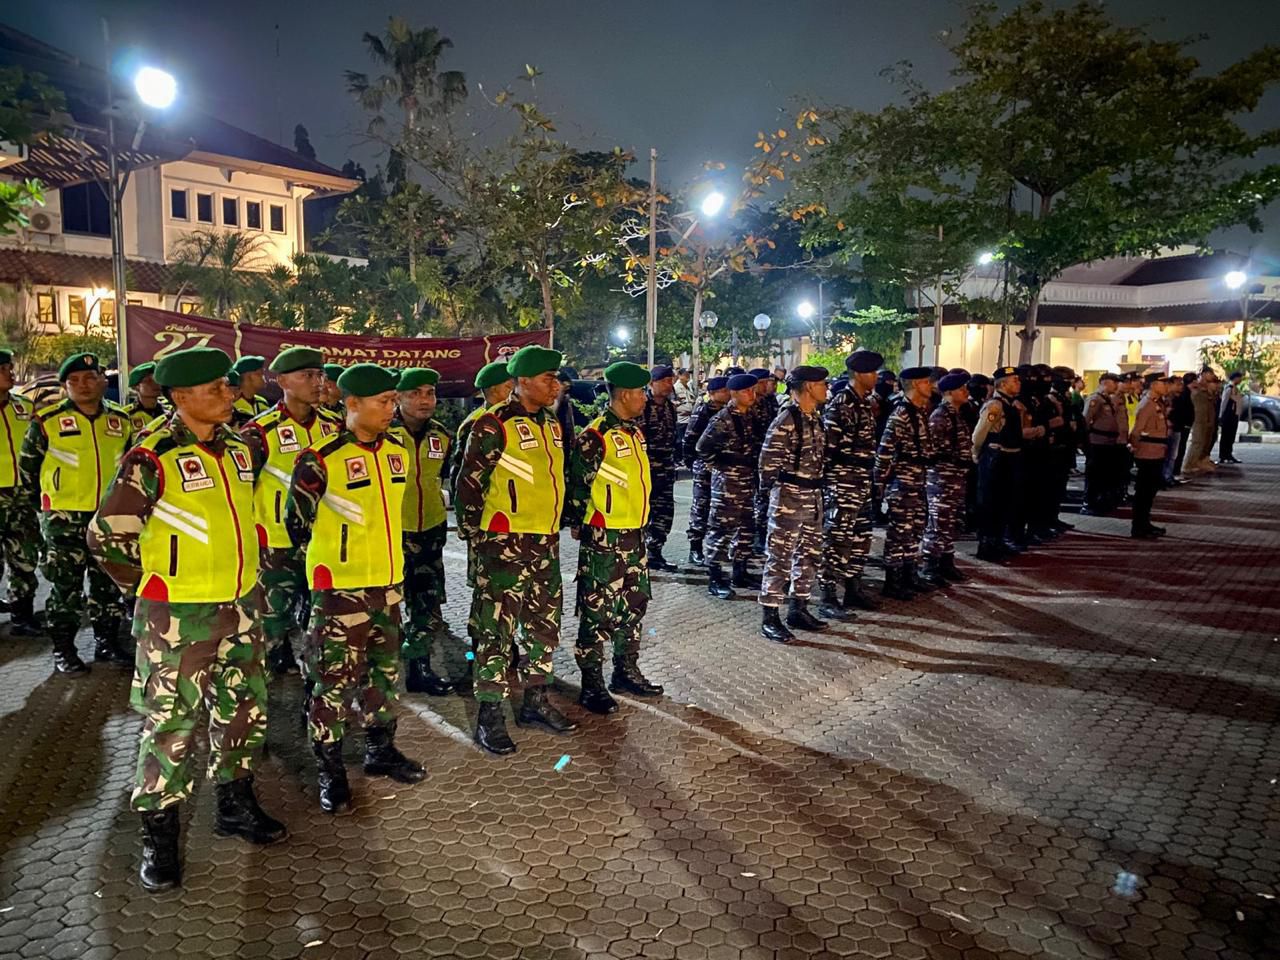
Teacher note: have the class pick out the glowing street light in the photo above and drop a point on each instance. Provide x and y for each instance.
(708, 319)
(155, 87)
(622, 334)
(985, 258)
(761, 322)
(805, 309)
(712, 203)
(1235, 279)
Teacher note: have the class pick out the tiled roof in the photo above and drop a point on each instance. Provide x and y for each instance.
(45, 268)
(1178, 269)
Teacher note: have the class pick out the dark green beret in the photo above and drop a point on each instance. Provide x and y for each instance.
(626, 375)
(191, 368)
(333, 371)
(141, 372)
(533, 360)
(366, 380)
(6, 355)
(297, 358)
(78, 362)
(233, 378)
(492, 374)
(416, 377)
(248, 364)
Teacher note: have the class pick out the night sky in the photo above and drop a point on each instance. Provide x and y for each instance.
(696, 79)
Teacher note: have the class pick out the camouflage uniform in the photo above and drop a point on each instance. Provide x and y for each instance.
(424, 582)
(765, 409)
(188, 653)
(518, 588)
(729, 444)
(19, 534)
(902, 460)
(948, 478)
(849, 422)
(791, 477)
(459, 445)
(659, 425)
(701, 506)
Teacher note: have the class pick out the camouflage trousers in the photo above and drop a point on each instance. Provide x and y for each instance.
(423, 589)
(517, 597)
(191, 654)
(19, 543)
(282, 576)
(945, 485)
(792, 545)
(471, 565)
(354, 645)
(701, 505)
(613, 595)
(846, 526)
(731, 519)
(908, 512)
(66, 564)
(662, 504)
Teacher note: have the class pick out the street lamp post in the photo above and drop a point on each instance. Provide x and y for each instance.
(711, 205)
(1239, 280)
(761, 322)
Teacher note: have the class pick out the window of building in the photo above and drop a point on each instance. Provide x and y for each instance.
(187, 306)
(47, 308)
(204, 207)
(178, 204)
(132, 302)
(253, 214)
(276, 212)
(230, 212)
(106, 313)
(75, 309)
(85, 210)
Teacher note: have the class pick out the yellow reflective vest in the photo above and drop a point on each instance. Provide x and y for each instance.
(526, 490)
(619, 497)
(198, 545)
(82, 456)
(423, 495)
(249, 408)
(284, 438)
(15, 417)
(140, 419)
(356, 539)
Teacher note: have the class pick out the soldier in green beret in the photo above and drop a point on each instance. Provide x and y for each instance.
(19, 535)
(247, 377)
(608, 509)
(495, 384)
(511, 496)
(148, 404)
(331, 399)
(176, 528)
(345, 513)
(69, 456)
(428, 448)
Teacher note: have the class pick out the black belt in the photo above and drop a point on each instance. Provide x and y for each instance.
(1143, 438)
(734, 460)
(1105, 433)
(804, 483)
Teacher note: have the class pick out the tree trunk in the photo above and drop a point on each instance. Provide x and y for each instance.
(548, 309)
(1029, 333)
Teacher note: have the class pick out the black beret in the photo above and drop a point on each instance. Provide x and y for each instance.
(863, 361)
(1002, 372)
(1043, 369)
(760, 373)
(661, 372)
(297, 358)
(367, 380)
(533, 361)
(416, 377)
(141, 372)
(953, 381)
(742, 381)
(1025, 370)
(77, 363)
(492, 374)
(192, 368)
(914, 373)
(1064, 372)
(885, 376)
(980, 379)
(808, 374)
(937, 373)
(732, 370)
(717, 383)
(629, 375)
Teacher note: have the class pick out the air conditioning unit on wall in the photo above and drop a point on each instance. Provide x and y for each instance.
(43, 221)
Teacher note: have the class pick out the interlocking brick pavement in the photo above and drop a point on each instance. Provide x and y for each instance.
(966, 776)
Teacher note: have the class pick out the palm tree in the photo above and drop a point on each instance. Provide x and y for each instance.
(209, 266)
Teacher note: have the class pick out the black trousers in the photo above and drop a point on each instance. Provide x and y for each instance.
(1144, 492)
(1102, 473)
(1227, 442)
(1000, 485)
(1184, 434)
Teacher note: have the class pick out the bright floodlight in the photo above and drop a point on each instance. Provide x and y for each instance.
(155, 87)
(805, 309)
(709, 319)
(985, 258)
(1235, 279)
(623, 334)
(761, 322)
(712, 203)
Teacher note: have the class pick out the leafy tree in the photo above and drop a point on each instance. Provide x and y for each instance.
(214, 268)
(28, 107)
(1258, 357)
(302, 143)
(413, 81)
(49, 351)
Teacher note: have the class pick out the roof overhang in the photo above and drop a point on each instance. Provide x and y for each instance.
(322, 184)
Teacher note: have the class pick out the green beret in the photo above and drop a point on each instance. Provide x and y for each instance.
(191, 368)
(416, 377)
(366, 380)
(333, 371)
(248, 364)
(492, 374)
(533, 360)
(78, 362)
(6, 355)
(626, 375)
(141, 372)
(297, 358)
(233, 378)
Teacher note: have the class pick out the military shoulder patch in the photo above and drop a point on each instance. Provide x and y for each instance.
(194, 475)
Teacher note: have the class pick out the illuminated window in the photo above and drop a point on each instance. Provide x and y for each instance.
(186, 306)
(47, 308)
(107, 313)
(75, 309)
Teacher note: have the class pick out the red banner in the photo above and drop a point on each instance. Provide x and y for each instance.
(154, 333)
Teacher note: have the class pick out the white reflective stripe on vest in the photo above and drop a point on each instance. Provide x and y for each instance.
(277, 473)
(69, 457)
(613, 475)
(345, 508)
(521, 470)
(181, 520)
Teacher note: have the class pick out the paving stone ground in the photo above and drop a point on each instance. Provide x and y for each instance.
(1073, 756)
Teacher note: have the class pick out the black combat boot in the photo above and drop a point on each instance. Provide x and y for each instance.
(948, 570)
(741, 578)
(990, 550)
(383, 759)
(491, 729)
(897, 584)
(657, 561)
(627, 678)
(856, 596)
(695, 552)
(1012, 546)
(718, 584)
(922, 580)
(22, 619)
(161, 863)
(238, 814)
(831, 606)
(422, 679)
(106, 645)
(281, 660)
(66, 659)
(538, 710)
(334, 791)
(772, 627)
(594, 696)
(798, 616)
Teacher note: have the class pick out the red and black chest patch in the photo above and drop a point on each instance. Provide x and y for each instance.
(194, 475)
